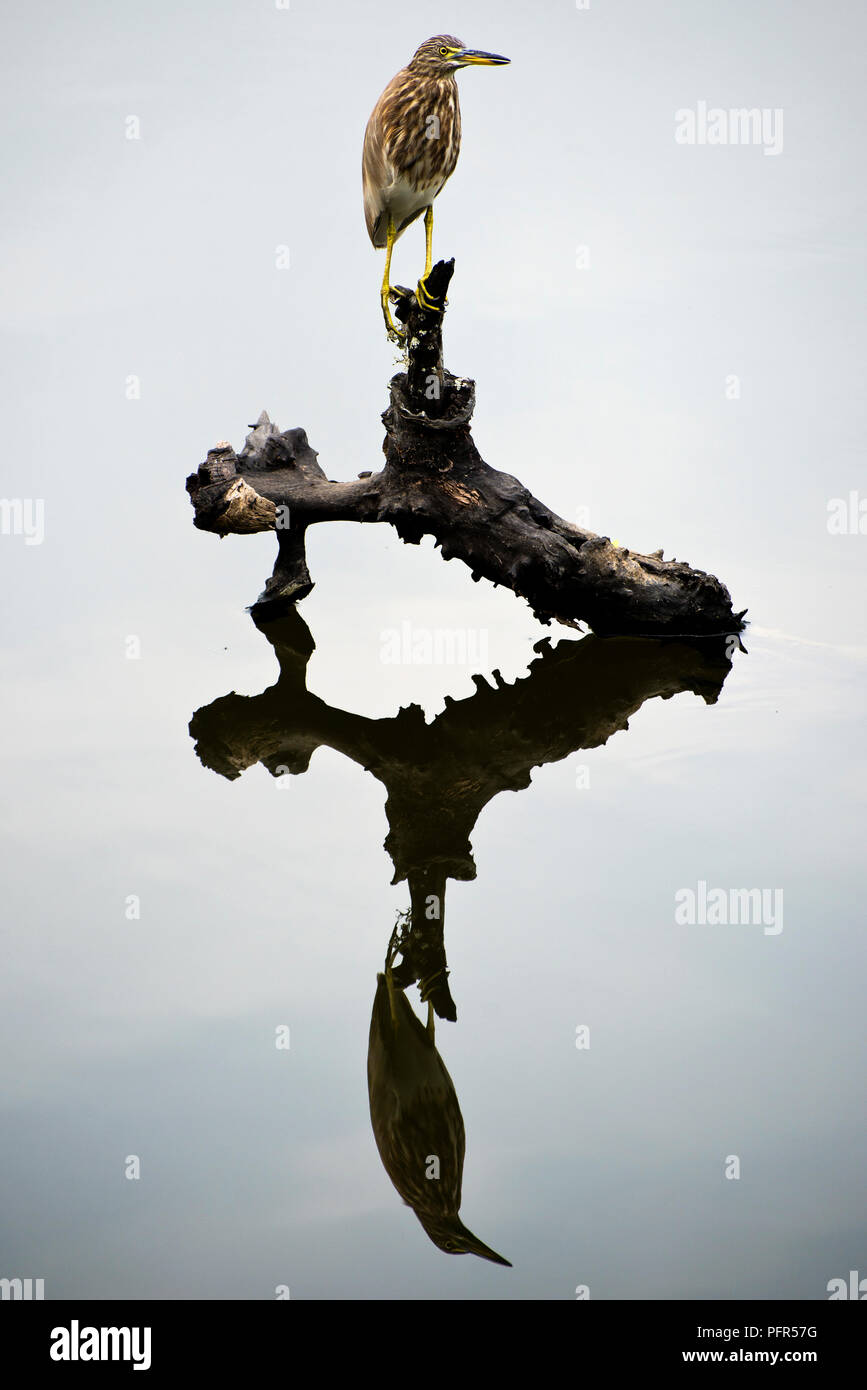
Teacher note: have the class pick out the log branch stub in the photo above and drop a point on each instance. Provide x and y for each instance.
(424, 334)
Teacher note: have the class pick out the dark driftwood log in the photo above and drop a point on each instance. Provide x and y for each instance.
(435, 483)
(439, 776)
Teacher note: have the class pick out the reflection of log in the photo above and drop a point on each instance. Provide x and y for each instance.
(439, 776)
(435, 483)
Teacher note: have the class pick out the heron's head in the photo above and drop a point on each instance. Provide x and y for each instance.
(451, 1235)
(443, 54)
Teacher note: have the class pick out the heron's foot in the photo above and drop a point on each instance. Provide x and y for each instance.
(424, 299)
(397, 335)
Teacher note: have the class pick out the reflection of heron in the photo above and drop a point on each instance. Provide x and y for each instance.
(416, 1118)
(411, 147)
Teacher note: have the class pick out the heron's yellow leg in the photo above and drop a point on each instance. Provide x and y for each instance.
(428, 241)
(430, 1020)
(393, 949)
(389, 983)
(391, 326)
(421, 293)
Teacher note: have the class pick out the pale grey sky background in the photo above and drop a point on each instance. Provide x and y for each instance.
(263, 902)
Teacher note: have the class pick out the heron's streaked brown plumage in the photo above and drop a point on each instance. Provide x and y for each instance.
(413, 138)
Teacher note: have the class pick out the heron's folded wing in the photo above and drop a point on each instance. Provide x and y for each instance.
(377, 175)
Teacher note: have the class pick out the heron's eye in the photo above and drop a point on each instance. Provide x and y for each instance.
(444, 52)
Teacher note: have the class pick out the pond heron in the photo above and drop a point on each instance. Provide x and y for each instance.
(411, 147)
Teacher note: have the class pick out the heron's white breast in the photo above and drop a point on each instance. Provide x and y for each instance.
(404, 200)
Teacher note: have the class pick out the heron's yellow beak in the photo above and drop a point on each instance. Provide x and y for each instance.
(465, 56)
